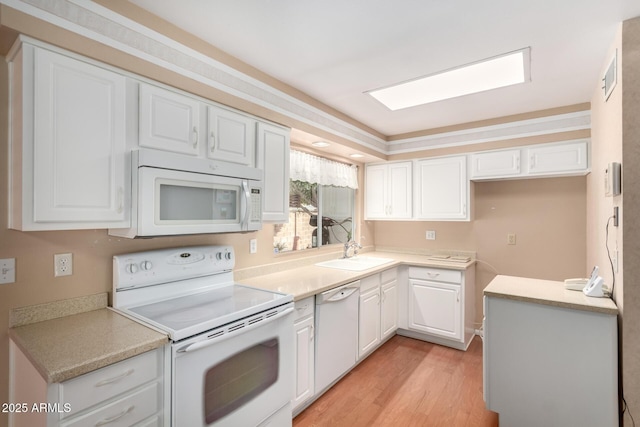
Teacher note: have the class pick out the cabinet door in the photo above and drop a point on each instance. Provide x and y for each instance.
(169, 120)
(273, 159)
(442, 189)
(560, 158)
(399, 194)
(375, 190)
(388, 192)
(231, 137)
(80, 173)
(304, 368)
(369, 324)
(495, 164)
(389, 309)
(435, 308)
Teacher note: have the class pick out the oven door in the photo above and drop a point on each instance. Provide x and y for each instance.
(239, 375)
(177, 202)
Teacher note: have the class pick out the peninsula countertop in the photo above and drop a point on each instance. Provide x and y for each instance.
(309, 280)
(66, 347)
(547, 292)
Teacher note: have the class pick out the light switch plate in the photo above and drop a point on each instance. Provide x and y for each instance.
(7, 271)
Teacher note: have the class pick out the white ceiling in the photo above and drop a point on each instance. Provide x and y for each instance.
(335, 50)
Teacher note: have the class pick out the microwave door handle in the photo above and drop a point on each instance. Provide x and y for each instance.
(245, 205)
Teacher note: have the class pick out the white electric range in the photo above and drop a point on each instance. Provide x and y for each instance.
(231, 353)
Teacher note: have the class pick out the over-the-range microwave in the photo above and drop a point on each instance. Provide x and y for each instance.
(176, 194)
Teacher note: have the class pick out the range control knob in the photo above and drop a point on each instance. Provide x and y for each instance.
(146, 265)
(227, 255)
(219, 256)
(132, 268)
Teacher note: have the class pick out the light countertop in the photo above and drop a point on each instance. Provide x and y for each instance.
(65, 339)
(547, 292)
(310, 280)
(66, 347)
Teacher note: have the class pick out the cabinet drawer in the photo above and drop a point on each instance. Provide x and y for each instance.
(435, 274)
(369, 282)
(94, 387)
(304, 308)
(123, 412)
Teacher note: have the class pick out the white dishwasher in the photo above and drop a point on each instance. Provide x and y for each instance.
(336, 333)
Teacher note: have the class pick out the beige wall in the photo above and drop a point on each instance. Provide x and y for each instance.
(547, 215)
(615, 136)
(631, 193)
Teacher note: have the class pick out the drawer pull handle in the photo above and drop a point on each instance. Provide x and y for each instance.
(109, 420)
(433, 274)
(115, 379)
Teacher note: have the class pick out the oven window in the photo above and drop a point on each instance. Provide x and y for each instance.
(238, 379)
(185, 203)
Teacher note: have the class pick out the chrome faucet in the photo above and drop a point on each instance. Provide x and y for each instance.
(351, 244)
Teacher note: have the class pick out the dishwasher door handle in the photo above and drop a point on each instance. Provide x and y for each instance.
(341, 295)
(338, 294)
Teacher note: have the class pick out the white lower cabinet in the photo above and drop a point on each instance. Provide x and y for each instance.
(389, 303)
(378, 310)
(441, 306)
(303, 326)
(547, 365)
(127, 393)
(369, 315)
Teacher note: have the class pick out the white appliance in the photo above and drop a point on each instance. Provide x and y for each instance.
(231, 345)
(178, 194)
(336, 334)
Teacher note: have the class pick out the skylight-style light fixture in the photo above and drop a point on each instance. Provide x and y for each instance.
(500, 71)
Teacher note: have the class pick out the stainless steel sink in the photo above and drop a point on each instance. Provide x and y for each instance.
(357, 263)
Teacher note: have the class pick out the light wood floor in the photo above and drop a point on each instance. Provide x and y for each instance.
(407, 383)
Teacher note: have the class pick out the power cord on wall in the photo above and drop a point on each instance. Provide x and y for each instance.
(606, 243)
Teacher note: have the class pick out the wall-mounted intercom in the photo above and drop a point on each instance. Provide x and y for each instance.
(612, 179)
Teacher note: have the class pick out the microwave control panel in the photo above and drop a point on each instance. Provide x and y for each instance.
(256, 205)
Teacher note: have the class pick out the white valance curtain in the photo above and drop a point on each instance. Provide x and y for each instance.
(309, 168)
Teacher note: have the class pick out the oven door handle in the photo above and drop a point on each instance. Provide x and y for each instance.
(200, 344)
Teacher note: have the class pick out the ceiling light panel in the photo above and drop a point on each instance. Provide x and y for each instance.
(500, 71)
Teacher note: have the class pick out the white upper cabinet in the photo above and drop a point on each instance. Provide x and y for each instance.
(570, 158)
(69, 166)
(231, 136)
(558, 158)
(169, 120)
(441, 189)
(492, 164)
(388, 191)
(273, 159)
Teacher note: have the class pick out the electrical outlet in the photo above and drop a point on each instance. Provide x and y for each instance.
(253, 246)
(63, 265)
(431, 235)
(7, 270)
(511, 239)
